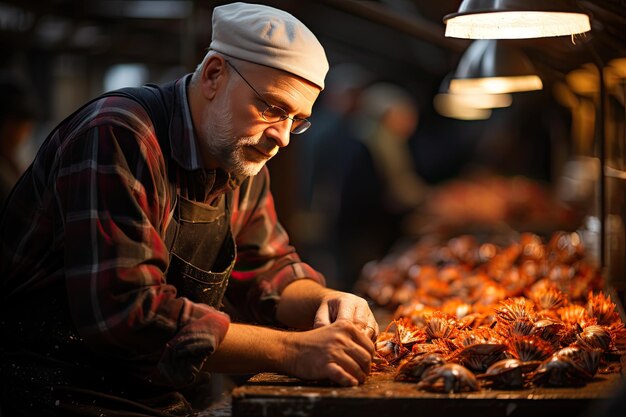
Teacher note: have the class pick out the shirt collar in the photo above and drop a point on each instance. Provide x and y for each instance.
(184, 143)
(183, 139)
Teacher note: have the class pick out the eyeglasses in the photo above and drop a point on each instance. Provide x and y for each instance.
(275, 114)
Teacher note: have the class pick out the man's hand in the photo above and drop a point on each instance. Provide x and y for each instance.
(339, 351)
(305, 304)
(337, 305)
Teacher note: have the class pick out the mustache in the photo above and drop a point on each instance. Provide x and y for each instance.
(262, 144)
(270, 152)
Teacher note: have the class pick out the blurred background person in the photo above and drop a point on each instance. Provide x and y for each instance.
(18, 115)
(323, 155)
(381, 186)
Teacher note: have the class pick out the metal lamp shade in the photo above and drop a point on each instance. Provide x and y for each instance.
(490, 67)
(467, 106)
(516, 19)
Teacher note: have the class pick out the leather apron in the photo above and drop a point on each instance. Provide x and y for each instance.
(38, 367)
(202, 249)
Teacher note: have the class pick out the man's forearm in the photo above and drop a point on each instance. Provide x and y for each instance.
(339, 352)
(299, 303)
(249, 349)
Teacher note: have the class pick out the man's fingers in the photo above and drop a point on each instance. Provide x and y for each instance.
(360, 347)
(357, 311)
(364, 319)
(337, 374)
(369, 326)
(365, 342)
(362, 357)
(352, 367)
(371, 332)
(346, 311)
(322, 317)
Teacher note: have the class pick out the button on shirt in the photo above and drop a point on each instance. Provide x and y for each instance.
(92, 211)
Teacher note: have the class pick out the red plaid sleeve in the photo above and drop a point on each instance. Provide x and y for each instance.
(111, 189)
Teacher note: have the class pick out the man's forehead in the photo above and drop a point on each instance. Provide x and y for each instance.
(281, 86)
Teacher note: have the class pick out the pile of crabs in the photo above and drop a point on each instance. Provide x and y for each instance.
(478, 316)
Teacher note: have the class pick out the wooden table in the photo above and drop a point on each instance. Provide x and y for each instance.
(275, 395)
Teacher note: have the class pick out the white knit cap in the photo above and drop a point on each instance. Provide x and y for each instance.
(271, 37)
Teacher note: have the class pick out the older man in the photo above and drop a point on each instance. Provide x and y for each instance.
(146, 212)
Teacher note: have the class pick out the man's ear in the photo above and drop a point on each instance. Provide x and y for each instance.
(213, 76)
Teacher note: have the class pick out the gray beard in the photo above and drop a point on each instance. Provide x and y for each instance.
(225, 147)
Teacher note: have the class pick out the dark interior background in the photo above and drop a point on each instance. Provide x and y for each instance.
(64, 48)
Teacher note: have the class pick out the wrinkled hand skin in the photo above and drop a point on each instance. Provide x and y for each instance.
(339, 351)
(337, 305)
(339, 347)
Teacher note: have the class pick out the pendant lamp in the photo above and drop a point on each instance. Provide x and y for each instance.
(516, 19)
(493, 67)
(467, 106)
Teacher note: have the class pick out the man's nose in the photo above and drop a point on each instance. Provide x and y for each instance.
(280, 132)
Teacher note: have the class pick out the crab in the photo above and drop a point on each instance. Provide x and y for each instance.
(560, 371)
(480, 356)
(529, 348)
(520, 327)
(450, 377)
(549, 330)
(602, 309)
(505, 374)
(513, 309)
(594, 337)
(413, 368)
(548, 299)
(388, 349)
(572, 314)
(407, 334)
(589, 360)
(440, 325)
